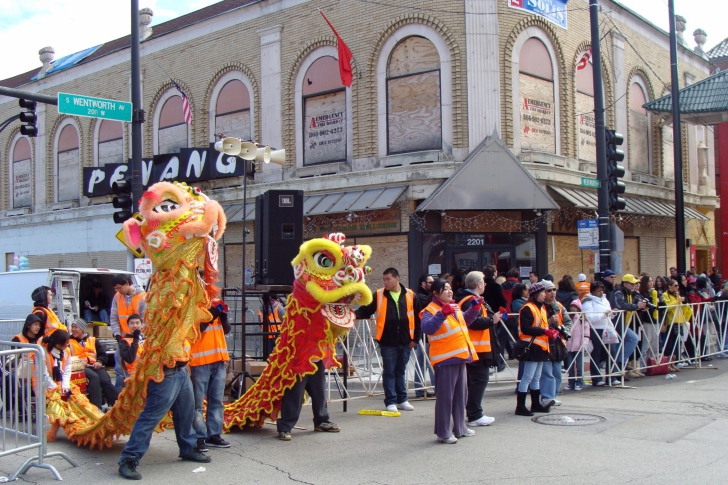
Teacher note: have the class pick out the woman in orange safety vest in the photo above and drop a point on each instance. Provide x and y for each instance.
(534, 328)
(450, 349)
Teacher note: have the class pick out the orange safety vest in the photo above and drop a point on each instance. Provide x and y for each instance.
(583, 288)
(540, 319)
(52, 322)
(124, 310)
(64, 362)
(381, 315)
(451, 339)
(85, 350)
(272, 318)
(130, 366)
(211, 347)
(23, 339)
(480, 338)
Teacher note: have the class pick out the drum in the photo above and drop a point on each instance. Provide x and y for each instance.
(78, 374)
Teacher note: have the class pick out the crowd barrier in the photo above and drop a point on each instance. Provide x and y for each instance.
(23, 422)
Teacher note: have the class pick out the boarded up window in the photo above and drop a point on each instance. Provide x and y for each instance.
(668, 154)
(324, 113)
(536, 86)
(172, 133)
(232, 111)
(414, 119)
(585, 123)
(21, 174)
(111, 143)
(68, 173)
(639, 131)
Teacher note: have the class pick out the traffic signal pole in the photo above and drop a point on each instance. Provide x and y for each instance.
(137, 117)
(603, 191)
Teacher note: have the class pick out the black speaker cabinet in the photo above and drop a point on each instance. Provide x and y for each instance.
(278, 235)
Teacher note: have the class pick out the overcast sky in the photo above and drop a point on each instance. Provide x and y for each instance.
(73, 25)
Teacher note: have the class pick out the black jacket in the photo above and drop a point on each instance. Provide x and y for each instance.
(493, 294)
(424, 296)
(485, 323)
(396, 327)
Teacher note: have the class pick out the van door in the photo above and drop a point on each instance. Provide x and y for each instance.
(66, 286)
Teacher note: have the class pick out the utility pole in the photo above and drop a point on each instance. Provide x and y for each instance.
(137, 117)
(677, 146)
(603, 191)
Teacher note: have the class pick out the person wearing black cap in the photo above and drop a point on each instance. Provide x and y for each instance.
(608, 278)
(42, 297)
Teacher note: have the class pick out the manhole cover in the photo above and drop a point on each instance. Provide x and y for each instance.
(568, 419)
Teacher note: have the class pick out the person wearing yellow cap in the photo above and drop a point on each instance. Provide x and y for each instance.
(623, 299)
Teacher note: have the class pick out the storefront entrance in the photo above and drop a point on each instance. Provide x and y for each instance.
(465, 259)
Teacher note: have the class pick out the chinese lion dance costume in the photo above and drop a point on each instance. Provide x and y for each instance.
(178, 232)
(329, 277)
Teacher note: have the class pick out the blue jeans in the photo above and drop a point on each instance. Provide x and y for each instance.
(550, 381)
(627, 348)
(531, 376)
(208, 380)
(424, 367)
(120, 371)
(394, 366)
(91, 316)
(576, 368)
(173, 393)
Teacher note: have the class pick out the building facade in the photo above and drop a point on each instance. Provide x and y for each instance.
(481, 97)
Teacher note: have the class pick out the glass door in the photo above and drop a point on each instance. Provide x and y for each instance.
(462, 260)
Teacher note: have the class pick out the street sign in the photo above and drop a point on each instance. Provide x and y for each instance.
(107, 109)
(591, 183)
(120, 236)
(588, 233)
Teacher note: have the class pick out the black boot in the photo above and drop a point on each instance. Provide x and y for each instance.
(521, 409)
(536, 406)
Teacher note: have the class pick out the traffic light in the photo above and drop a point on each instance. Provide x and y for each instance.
(28, 117)
(615, 171)
(122, 200)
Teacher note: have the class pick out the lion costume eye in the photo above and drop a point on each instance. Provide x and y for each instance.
(323, 259)
(166, 206)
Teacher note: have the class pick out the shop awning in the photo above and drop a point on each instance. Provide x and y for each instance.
(331, 203)
(587, 200)
(491, 178)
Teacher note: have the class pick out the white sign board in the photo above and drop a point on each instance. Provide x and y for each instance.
(588, 231)
(143, 270)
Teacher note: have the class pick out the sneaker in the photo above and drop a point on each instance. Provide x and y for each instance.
(327, 427)
(195, 455)
(392, 408)
(568, 388)
(483, 421)
(216, 441)
(405, 406)
(599, 384)
(468, 433)
(128, 470)
(556, 402)
(681, 365)
(578, 387)
(284, 436)
(201, 445)
(450, 441)
(548, 402)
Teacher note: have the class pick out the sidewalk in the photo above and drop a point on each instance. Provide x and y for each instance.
(665, 431)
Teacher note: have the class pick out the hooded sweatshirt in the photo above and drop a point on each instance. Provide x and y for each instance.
(25, 335)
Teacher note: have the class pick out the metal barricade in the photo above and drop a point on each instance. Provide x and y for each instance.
(23, 421)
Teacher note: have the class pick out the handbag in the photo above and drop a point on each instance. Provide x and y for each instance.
(660, 370)
(522, 349)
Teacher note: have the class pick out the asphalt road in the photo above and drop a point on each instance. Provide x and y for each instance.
(662, 431)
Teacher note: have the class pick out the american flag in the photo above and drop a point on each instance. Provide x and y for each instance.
(185, 104)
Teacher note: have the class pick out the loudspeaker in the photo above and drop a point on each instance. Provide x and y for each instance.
(278, 235)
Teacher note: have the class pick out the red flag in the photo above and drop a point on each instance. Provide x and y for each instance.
(584, 60)
(344, 56)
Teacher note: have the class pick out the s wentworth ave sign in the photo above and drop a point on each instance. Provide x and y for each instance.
(107, 109)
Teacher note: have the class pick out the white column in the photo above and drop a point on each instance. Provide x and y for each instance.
(40, 160)
(481, 39)
(271, 104)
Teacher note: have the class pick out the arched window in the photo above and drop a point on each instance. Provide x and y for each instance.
(232, 111)
(414, 111)
(639, 130)
(324, 113)
(172, 133)
(585, 125)
(110, 146)
(536, 88)
(68, 162)
(21, 174)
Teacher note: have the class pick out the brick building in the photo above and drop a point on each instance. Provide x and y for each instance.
(477, 111)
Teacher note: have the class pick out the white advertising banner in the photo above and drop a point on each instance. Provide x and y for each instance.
(586, 128)
(21, 184)
(537, 114)
(325, 128)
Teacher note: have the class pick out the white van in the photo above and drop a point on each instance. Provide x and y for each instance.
(71, 286)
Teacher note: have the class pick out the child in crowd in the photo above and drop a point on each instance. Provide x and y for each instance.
(58, 370)
(130, 346)
(576, 346)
